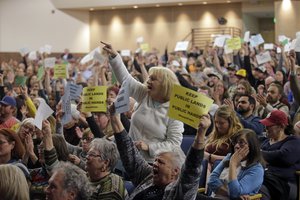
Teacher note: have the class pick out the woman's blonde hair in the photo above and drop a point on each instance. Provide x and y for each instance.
(235, 125)
(13, 184)
(168, 79)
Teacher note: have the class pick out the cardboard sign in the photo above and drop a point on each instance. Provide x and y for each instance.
(247, 36)
(94, 99)
(145, 47)
(20, 80)
(268, 46)
(75, 91)
(122, 101)
(126, 52)
(40, 74)
(60, 71)
(182, 46)
(43, 112)
(219, 41)
(234, 43)
(49, 62)
(256, 40)
(188, 106)
(263, 57)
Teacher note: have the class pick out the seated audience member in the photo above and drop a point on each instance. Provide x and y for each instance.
(13, 184)
(279, 151)
(226, 124)
(240, 173)
(272, 101)
(169, 177)
(245, 111)
(150, 127)
(101, 161)
(68, 182)
(7, 110)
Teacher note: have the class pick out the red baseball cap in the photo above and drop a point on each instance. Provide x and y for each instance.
(276, 117)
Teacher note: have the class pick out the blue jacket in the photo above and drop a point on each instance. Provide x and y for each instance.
(248, 181)
(252, 122)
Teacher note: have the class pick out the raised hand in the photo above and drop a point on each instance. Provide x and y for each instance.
(108, 48)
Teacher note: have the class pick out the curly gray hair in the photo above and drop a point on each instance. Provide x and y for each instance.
(75, 180)
(178, 156)
(108, 151)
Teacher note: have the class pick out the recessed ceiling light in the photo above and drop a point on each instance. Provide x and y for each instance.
(135, 7)
(157, 5)
(91, 9)
(228, 1)
(180, 4)
(204, 2)
(113, 8)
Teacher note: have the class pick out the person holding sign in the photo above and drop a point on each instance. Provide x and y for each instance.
(150, 127)
(172, 176)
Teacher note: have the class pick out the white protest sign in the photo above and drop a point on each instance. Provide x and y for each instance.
(140, 40)
(268, 46)
(247, 36)
(87, 74)
(184, 61)
(24, 51)
(95, 54)
(227, 50)
(219, 41)
(66, 106)
(75, 91)
(263, 57)
(278, 50)
(43, 112)
(49, 62)
(32, 55)
(125, 52)
(122, 101)
(297, 44)
(48, 48)
(256, 40)
(182, 46)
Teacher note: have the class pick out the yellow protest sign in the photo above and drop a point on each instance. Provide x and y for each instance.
(187, 105)
(234, 43)
(145, 47)
(60, 71)
(94, 99)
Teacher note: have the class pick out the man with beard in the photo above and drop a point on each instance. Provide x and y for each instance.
(245, 109)
(272, 101)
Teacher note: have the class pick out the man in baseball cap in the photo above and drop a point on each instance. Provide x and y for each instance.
(276, 117)
(7, 109)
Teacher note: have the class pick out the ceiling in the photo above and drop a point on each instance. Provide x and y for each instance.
(119, 4)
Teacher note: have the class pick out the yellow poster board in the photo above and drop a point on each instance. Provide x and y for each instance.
(187, 105)
(94, 99)
(60, 71)
(234, 43)
(145, 47)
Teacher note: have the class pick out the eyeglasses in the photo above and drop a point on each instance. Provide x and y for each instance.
(240, 142)
(87, 139)
(93, 155)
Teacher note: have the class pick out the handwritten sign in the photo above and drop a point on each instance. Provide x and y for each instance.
(256, 40)
(263, 57)
(75, 91)
(122, 100)
(60, 71)
(182, 46)
(94, 99)
(234, 43)
(49, 62)
(187, 105)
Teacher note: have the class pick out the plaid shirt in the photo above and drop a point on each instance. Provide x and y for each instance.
(140, 172)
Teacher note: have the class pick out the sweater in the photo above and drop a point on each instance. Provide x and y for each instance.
(150, 122)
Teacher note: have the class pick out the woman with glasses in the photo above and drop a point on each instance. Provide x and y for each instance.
(240, 172)
(78, 154)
